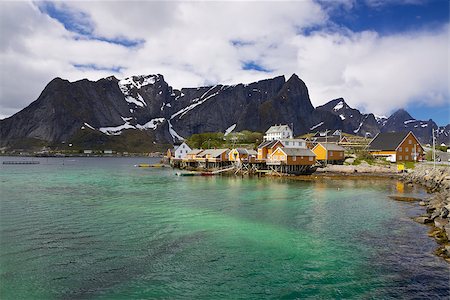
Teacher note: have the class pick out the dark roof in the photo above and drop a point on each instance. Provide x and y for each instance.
(332, 147)
(297, 152)
(322, 139)
(387, 140)
(268, 144)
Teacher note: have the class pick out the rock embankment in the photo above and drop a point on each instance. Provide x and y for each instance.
(436, 181)
(363, 168)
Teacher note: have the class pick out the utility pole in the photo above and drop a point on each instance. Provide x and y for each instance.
(326, 150)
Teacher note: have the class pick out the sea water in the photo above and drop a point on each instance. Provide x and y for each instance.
(100, 228)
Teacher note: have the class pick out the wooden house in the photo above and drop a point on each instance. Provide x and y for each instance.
(193, 154)
(278, 132)
(214, 155)
(170, 153)
(266, 148)
(292, 156)
(242, 154)
(330, 152)
(396, 146)
(294, 143)
(181, 151)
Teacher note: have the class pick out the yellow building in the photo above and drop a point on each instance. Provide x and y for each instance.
(330, 152)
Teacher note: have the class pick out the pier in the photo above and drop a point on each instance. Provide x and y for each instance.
(21, 162)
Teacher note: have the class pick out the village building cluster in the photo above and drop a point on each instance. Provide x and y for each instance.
(281, 152)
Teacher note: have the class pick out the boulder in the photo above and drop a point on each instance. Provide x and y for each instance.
(440, 222)
(422, 219)
(444, 212)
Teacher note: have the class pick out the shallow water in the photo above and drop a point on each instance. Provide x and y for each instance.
(101, 228)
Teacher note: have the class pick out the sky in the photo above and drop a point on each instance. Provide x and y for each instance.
(379, 55)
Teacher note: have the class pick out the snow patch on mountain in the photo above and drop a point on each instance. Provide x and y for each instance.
(342, 117)
(116, 130)
(339, 106)
(229, 129)
(126, 85)
(316, 126)
(196, 102)
(409, 121)
(173, 133)
(130, 99)
(87, 125)
(152, 124)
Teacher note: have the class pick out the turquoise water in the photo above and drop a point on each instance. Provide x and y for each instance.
(99, 228)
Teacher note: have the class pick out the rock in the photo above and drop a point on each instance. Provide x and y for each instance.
(435, 214)
(447, 230)
(447, 250)
(421, 203)
(350, 160)
(405, 199)
(444, 212)
(440, 222)
(422, 220)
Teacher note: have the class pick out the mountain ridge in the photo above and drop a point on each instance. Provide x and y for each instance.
(148, 104)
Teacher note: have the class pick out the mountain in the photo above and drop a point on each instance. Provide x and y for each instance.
(352, 120)
(145, 112)
(148, 105)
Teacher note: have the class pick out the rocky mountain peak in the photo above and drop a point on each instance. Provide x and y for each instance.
(401, 115)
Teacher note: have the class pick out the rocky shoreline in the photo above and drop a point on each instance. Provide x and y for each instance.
(437, 214)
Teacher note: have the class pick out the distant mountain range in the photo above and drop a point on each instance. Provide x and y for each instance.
(105, 113)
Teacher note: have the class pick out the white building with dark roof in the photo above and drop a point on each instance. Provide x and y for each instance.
(278, 132)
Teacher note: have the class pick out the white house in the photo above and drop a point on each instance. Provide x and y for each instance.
(294, 143)
(182, 150)
(278, 132)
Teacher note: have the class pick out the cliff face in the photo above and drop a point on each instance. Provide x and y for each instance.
(148, 104)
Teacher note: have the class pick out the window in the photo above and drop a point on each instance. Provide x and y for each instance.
(399, 157)
(342, 154)
(310, 158)
(406, 149)
(406, 157)
(331, 153)
(294, 158)
(410, 142)
(400, 149)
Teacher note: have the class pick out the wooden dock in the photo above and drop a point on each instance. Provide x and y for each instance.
(21, 162)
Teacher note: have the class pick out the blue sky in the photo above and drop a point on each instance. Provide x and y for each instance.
(380, 55)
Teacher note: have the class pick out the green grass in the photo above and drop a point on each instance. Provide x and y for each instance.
(409, 165)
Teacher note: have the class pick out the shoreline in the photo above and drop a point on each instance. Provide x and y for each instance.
(436, 182)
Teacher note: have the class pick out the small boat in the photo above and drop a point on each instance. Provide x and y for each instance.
(207, 174)
(151, 166)
(187, 174)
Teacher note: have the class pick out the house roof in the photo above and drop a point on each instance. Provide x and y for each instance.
(214, 152)
(245, 151)
(387, 140)
(332, 147)
(297, 152)
(268, 144)
(241, 150)
(252, 152)
(194, 151)
(326, 139)
(292, 140)
(278, 128)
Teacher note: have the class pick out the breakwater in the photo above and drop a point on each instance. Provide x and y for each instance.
(436, 181)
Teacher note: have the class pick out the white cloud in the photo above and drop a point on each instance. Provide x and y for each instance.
(190, 43)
